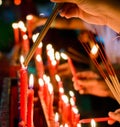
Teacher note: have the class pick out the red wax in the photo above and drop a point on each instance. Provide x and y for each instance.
(23, 94)
(101, 119)
(16, 35)
(30, 108)
(50, 106)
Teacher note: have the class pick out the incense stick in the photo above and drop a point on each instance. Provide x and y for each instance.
(43, 32)
(109, 76)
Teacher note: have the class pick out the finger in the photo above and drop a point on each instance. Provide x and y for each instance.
(115, 116)
(110, 122)
(69, 10)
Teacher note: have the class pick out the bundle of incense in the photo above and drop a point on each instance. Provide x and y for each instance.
(43, 33)
(76, 56)
(107, 72)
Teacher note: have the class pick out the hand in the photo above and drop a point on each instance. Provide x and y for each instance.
(92, 11)
(63, 70)
(88, 82)
(115, 116)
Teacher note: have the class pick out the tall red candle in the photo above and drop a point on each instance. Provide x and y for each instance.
(16, 32)
(51, 98)
(23, 92)
(29, 19)
(30, 102)
(38, 59)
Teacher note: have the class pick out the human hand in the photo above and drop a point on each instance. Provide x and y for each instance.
(115, 116)
(63, 70)
(89, 82)
(92, 11)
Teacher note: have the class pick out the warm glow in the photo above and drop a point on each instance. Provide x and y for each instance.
(54, 62)
(61, 90)
(56, 117)
(66, 125)
(79, 125)
(71, 93)
(50, 88)
(72, 102)
(64, 56)
(17, 2)
(25, 37)
(57, 77)
(34, 38)
(22, 26)
(31, 81)
(22, 61)
(38, 58)
(49, 46)
(65, 99)
(94, 50)
(93, 123)
(15, 25)
(75, 110)
(41, 82)
(46, 79)
(57, 56)
(29, 17)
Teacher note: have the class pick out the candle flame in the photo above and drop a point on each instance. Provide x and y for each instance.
(22, 61)
(54, 62)
(29, 17)
(66, 125)
(41, 82)
(15, 25)
(25, 37)
(46, 79)
(21, 25)
(71, 93)
(94, 49)
(31, 81)
(57, 56)
(49, 46)
(93, 123)
(57, 77)
(56, 117)
(75, 110)
(72, 102)
(38, 58)
(50, 88)
(64, 56)
(65, 99)
(34, 38)
(61, 90)
(79, 125)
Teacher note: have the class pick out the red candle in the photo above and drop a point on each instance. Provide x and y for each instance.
(57, 120)
(25, 45)
(65, 109)
(16, 32)
(30, 103)
(101, 119)
(51, 98)
(29, 19)
(23, 92)
(72, 67)
(38, 59)
(41, 86)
